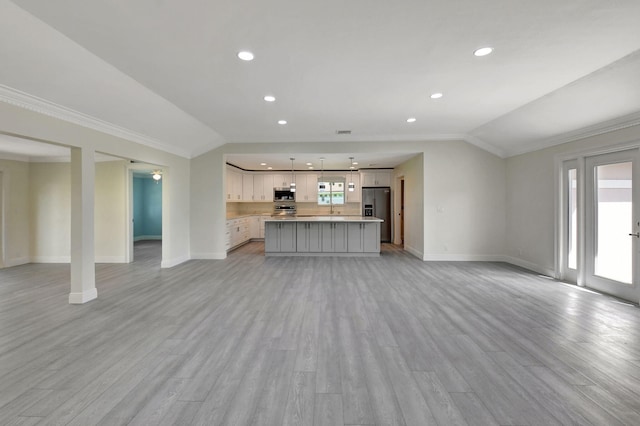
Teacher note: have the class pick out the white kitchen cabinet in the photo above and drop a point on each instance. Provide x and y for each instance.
(238, 232)
(247, 187)
(254, 227)
(375, 178)
(263, 187)
(309, 237)
(281, 180)
(334, 237)
(280, 237)
(306, 187)
(234, 185)
(363, 237)
(354, 196)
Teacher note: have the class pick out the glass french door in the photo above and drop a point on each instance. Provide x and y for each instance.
(612, 229)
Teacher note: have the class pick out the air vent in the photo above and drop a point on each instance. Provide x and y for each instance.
(343, 132)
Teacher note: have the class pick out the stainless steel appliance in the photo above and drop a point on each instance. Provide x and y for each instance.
(284, 209)
(376, 202)
(283, 194)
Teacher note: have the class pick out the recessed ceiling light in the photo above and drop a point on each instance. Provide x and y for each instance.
(269, 168)
(436, 95)
(263, 164)
(310, 167)
(483, 51)
(309, 164)
(245, 55)
(282, 121)
(411, 120)
(270, 98)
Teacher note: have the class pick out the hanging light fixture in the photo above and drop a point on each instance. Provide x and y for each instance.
(156, 175)
(351, 186)
(292, 185)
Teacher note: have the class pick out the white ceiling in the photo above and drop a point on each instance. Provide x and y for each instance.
(166, 73)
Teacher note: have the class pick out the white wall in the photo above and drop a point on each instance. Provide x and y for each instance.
(467, 182)
(413, 173)
(50, 212)
(110, 211)
(531, 199)
(464, 202)
(16, 209)
(176, 170)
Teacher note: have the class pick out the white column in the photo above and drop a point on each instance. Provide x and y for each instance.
(83, 274)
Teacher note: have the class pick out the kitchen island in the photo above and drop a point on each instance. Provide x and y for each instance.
(322, 236)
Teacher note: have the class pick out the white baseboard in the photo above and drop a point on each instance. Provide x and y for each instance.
(110, 259)
(147, 237)
(440, 257)
(17, 261)
(530, 266)
(209, 256)
(413, 251)
(170, 263)
(51, 259)
(83, 297)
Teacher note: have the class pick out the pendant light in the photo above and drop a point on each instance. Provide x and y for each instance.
(292, 185)
(156, 175)
(352, 186)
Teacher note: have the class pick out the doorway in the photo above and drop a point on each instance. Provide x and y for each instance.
(145, 213)
(601, 222)
(402, 212)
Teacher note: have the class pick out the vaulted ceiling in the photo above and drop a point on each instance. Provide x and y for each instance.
(165, 72)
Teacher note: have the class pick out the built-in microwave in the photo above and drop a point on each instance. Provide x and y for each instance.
(283, 194)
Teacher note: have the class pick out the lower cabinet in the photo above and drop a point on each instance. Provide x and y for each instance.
(280, 237)
(322, 238)
(334, 237)
(363, 237)
(309, 238)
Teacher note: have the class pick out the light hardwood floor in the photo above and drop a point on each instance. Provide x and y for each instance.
(314, 341)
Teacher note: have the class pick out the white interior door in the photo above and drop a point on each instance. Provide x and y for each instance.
(612, 223)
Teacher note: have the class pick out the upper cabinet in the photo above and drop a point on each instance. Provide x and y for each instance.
(306, 187)
(234, 185)
(281, 180)
(263, 187)
(247, 187)
(375, 178)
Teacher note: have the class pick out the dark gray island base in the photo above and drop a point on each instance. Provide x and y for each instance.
(349, 236)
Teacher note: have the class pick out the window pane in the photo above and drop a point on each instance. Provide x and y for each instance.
(573, 219)
(614, 247)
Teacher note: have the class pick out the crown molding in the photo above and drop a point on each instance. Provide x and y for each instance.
(619, 123)
(42, 106)
(473, 140)
(14, 157)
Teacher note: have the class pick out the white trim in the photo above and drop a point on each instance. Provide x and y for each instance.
(84, 297)
(473, 140)
(110, 259)
(147, 237)
(529, 265)
(33, 103)
(463, 257)
(415, 252)
(209, 256)
(170, 263)
(14, 157)
(17, 261)
(50, 259)
(608, 126)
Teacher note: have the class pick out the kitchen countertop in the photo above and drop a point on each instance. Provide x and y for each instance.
(323, 219)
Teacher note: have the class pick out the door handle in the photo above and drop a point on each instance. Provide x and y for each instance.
(637, 235)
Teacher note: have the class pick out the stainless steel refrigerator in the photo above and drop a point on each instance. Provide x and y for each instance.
(376, 202)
